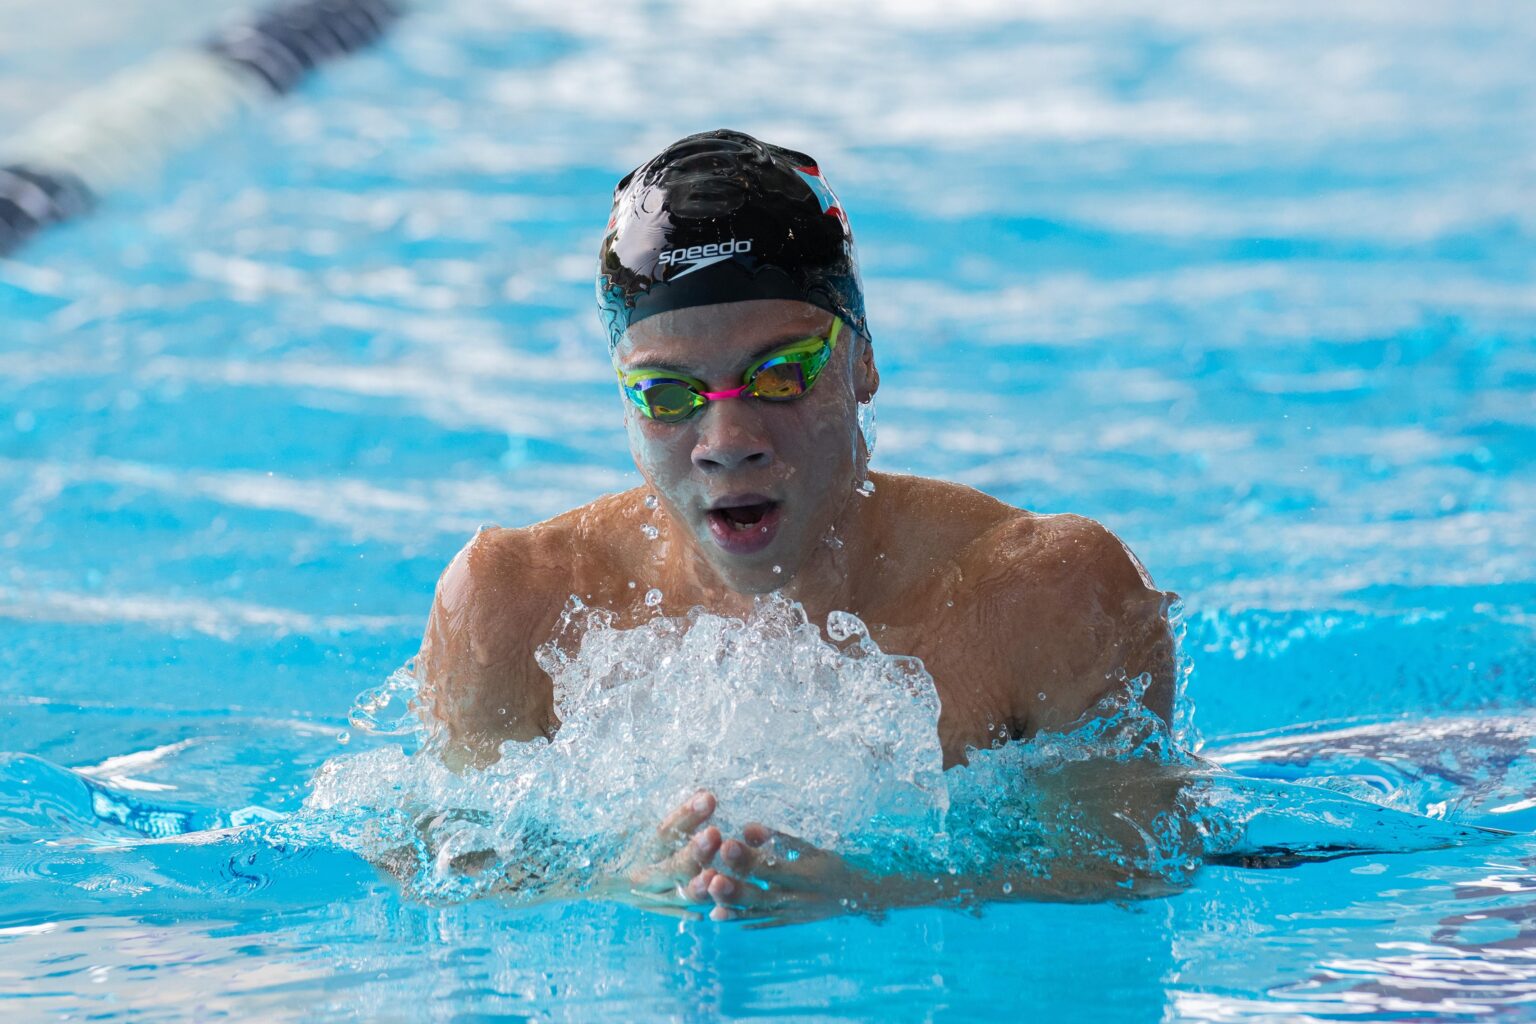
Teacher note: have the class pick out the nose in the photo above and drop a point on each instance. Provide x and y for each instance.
(731, 436)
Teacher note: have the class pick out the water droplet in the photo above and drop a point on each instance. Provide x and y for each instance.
(652, 598)
(778, 569)
(651, 533)
(867, 488)
(867, 425)
(343, 737)
(845, 625)
(651, 502)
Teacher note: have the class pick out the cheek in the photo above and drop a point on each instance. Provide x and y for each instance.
(656, 453)
(825, 443)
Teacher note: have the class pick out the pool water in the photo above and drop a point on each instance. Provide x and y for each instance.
(1255, 287)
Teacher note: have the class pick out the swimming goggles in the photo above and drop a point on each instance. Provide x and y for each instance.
(783, 377)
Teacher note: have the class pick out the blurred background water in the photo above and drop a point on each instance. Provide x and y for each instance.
(1252, 285)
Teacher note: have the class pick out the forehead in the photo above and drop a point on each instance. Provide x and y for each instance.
(718, 337)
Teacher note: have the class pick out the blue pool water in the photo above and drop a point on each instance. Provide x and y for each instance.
(1253, 286)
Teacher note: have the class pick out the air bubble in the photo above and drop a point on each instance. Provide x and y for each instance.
(1007, 888)
(343, 737)
(778, 569)
(867, 488)
(631, 584)
(486, 526)
(651, 533)
(651, 502)
(653, 598)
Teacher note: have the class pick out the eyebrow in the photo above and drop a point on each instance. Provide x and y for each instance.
(757, 354)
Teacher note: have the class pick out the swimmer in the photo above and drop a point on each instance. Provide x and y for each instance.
(729, 289)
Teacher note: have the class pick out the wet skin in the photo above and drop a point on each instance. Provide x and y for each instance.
(1024, 621)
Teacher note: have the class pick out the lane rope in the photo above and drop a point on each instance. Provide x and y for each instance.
(60, 166)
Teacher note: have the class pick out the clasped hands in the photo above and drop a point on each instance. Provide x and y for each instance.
(761, 873)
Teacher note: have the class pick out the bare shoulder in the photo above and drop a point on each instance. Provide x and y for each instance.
(498, 600)
(949, 516)
(1076, 611)
(497, 586)
(1059, 552)
(529, 573)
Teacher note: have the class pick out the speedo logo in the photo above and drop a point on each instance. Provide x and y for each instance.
(697, 257)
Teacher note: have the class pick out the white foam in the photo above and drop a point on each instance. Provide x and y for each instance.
(823, 737)
(831, 742)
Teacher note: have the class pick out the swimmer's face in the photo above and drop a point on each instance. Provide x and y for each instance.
(753, 484)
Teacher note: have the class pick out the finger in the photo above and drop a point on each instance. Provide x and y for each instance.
(769, 855)
(697, 889)
(694, 857)
(684, 821)
(739, 894)
(739, 858)
(722, 890)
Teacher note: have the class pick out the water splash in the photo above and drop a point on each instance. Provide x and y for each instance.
(832, 740)
(836, 744)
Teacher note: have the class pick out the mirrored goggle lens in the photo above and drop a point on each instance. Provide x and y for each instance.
(780, 381)
(669, 401)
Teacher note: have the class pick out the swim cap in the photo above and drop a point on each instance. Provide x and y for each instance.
(723, 217)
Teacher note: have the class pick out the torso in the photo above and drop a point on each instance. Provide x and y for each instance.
(977, 600)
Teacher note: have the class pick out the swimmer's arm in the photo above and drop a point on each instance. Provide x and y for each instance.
(773, 876)
(1145, 845)
(480, 685)
(1082, 616)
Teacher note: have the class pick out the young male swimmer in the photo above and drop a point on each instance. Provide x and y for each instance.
(729, 288)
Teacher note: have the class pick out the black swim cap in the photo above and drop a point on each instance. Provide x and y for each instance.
(722, 217)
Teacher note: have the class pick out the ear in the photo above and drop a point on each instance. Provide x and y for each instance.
(866, 376)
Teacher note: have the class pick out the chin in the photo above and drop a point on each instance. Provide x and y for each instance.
(755, 579)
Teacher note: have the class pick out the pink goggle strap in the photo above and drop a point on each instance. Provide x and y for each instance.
(715, 396)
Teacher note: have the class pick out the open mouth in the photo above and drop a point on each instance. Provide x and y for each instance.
(742, 517)
(744, 525)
